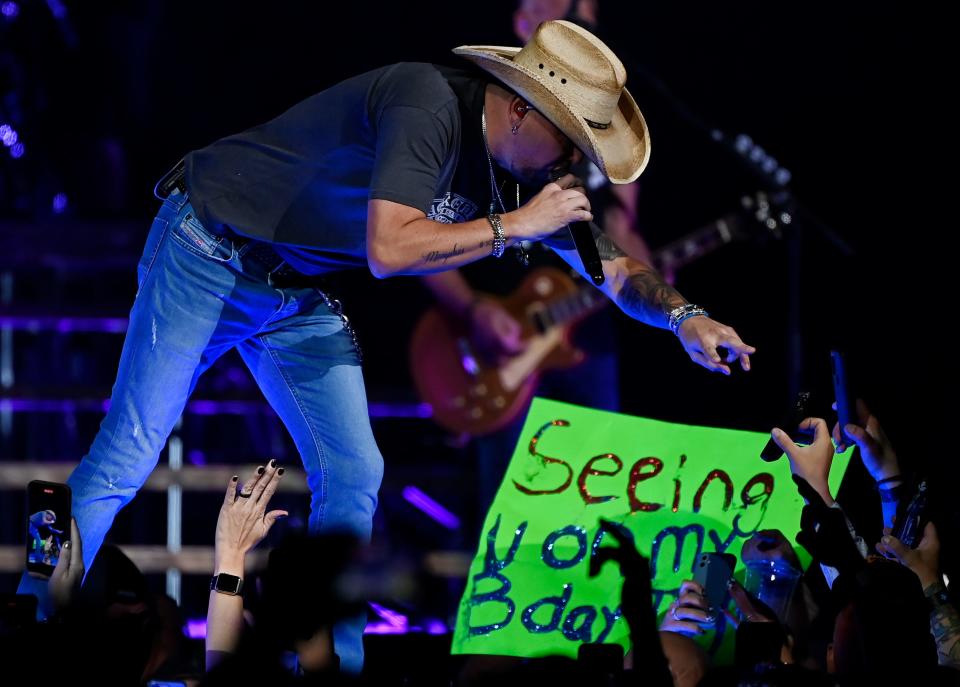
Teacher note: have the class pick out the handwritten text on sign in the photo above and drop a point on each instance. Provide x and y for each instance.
(676, 490)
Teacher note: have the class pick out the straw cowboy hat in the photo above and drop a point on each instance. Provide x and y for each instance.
(576, 82)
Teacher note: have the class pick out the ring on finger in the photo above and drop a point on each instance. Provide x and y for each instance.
(244, 496)
(673, 613)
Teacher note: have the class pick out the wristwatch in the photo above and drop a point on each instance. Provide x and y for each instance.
(226, 584)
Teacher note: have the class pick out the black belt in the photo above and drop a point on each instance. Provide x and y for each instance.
(174, 179)
(281, 274)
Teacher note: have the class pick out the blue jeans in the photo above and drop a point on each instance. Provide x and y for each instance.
(198, 296)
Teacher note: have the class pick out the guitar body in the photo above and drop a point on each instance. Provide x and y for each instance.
(473, 395)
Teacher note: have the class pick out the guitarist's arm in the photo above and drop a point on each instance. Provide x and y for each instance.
(640, 291)
(452, 292)
(492, 328)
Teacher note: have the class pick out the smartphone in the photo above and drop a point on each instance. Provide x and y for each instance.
(912, 520)
(798, 413)
(713, 572)
(48, 524)
(843, 393)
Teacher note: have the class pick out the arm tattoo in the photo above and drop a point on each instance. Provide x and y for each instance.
(945, 627)
(563, 240)
(646, 297)
(443, 256)
(605, 246)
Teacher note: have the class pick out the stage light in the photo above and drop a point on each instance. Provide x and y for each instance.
(17, 150)
(59, 203)
(57, 9)
(196, 628)
(437, 512)
(10, 10)
(8, 135)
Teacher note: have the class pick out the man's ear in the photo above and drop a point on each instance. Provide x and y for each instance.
(518, 108)
(518, 111)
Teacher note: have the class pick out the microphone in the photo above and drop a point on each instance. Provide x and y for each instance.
(585, 245)
(587, 248)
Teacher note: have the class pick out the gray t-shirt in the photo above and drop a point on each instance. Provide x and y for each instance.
(409, 133)
(303, 179)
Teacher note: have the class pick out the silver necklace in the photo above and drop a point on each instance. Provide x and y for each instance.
(522, 255)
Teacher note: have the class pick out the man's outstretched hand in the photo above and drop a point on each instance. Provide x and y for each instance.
(702, 337)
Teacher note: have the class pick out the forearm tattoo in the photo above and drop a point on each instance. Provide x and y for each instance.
(443, 256)
(647, 297)
(607, 249)
(945, 627)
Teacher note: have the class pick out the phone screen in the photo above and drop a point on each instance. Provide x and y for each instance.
(48, 524)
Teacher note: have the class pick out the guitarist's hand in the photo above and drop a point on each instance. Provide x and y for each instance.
(494, 331)
(701, 337)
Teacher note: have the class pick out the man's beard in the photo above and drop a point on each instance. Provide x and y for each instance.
(534, 178)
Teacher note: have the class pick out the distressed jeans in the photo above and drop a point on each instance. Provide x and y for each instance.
(198, 296)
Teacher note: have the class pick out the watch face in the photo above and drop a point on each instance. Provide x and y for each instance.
(228, 584)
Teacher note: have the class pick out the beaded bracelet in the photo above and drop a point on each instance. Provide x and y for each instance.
(684, 312)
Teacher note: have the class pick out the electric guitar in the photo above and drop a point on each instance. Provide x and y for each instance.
(471, 394)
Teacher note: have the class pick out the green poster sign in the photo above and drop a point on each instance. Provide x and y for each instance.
(678, 489)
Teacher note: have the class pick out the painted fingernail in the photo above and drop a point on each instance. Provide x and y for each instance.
(66, 545)
(235, 478)
(260, 470)
(273, 463)
(280, 471)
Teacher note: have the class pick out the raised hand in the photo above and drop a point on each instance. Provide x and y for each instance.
(244, 520)
(876, 451)
(67, 576)
(690, 614)
(924, 560)
(811, 463)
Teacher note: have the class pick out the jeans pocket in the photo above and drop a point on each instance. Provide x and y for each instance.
(190, 233)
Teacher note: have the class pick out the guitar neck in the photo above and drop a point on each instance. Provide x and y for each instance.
(674, 255)
(562, 310)
(695, 245)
